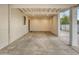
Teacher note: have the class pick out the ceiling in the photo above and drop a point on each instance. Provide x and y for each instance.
(39, 11)
(42, 10)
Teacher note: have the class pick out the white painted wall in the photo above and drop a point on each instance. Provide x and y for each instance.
(3, 25)
(54, 25)
(17, 27)
(37, 24)
(44, 24)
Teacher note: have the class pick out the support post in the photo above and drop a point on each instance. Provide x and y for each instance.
(73, 27)
(58, 25)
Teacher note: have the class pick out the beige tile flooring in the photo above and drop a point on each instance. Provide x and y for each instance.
(38, 43)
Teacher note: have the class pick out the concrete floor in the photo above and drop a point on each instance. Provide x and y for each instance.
(65, 37)
(38, 43)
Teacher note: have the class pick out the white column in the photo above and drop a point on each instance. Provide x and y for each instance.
(58, 24)
(73, 27)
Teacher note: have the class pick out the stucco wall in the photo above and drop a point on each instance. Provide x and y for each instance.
(3, 25)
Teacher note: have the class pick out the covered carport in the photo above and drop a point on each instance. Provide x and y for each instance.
(23, 18)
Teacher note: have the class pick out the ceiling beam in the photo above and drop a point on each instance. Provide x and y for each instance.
(42, 5)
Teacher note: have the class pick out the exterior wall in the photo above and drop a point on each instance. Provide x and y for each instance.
(3, 26)
(42, 24)
(53, 25)
(17, 27)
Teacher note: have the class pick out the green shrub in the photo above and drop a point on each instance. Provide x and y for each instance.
(64, 20)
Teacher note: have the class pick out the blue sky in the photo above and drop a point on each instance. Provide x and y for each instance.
(67, 13)
(64, 13)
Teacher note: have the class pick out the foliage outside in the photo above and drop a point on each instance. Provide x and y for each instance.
(64, 20)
